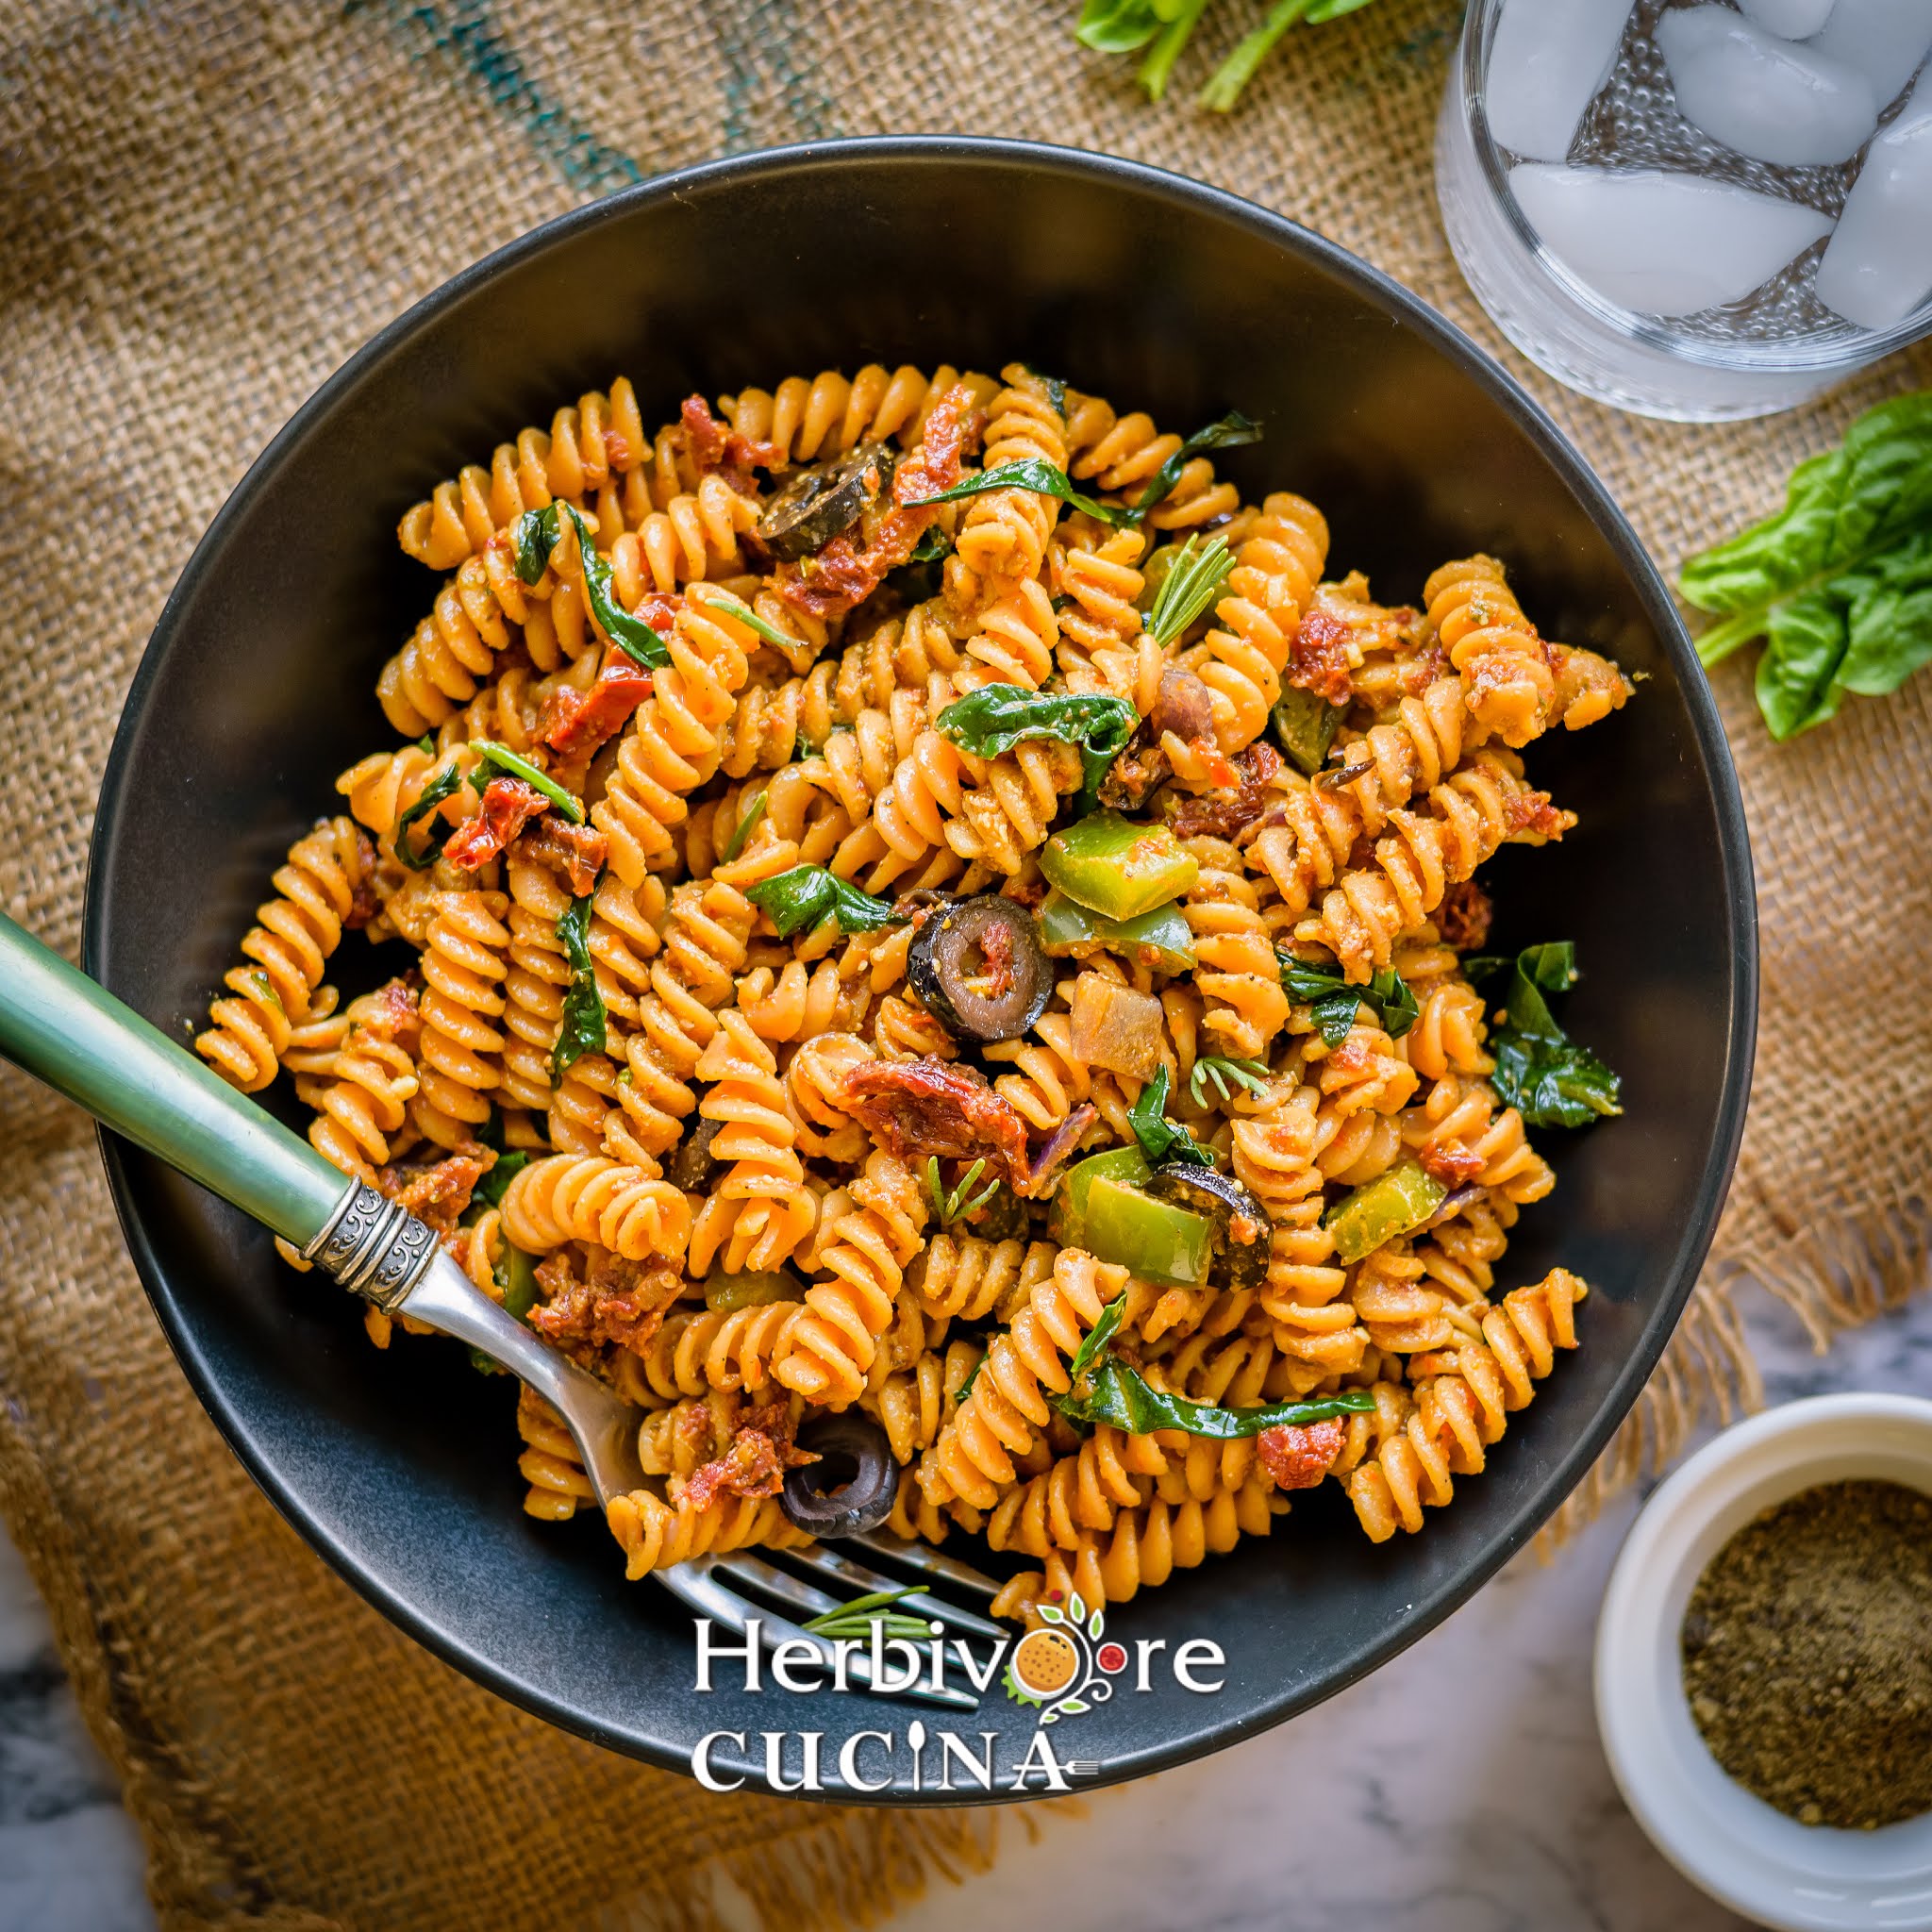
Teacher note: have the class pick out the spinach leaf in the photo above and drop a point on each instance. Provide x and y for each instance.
(996, 717)
(1192, 584)
(1839, 582)
(1541, 1071)
(738, 608)
(583, 1028)
(1161, 1139)
(499, 757)
(1056, 388)
(441, 787)
(1032, 473)
(931, 547)
(1105, 1390)
(742, 829)
(495, 1184)
(533, 536)
(1231, 431)
(1118, 27)
(631, 635)
(1334, 1001)
(808, 893)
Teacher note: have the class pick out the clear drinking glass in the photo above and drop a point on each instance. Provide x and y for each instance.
(1752, 358)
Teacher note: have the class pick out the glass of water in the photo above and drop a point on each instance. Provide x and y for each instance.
(1693, 211)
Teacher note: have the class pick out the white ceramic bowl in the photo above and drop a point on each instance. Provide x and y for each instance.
(1796, 1878)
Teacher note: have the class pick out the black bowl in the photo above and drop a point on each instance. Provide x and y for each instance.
(257, 689)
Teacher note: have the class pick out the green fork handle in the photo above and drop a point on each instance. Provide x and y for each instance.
(62, 1029)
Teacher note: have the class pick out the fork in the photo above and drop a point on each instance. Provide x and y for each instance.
(58, 1025)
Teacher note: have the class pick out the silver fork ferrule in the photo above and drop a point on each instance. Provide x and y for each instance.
(374, 1247)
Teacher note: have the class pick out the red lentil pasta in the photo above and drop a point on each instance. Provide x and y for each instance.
(745, 1011)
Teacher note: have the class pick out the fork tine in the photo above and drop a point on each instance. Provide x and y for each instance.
(696, 1584)
(933, 1562)
(830, 1563)
(744, 1566)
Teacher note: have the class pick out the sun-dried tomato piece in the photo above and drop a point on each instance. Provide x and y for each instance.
(1298, 1454)
(1318, 661)
(754, 1465)
(1530, 815)
(1223, 814)
(716, 449)
(574, 722)
(1463, 917)
(508, 805)
(437, 1195)
(618, 1304)
(928, 1107)
(574, 853)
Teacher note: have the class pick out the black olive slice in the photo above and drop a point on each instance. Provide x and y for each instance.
(979, 966)
(1242, 1228)
(823, 500)
(850, 1487)
(691, 1166)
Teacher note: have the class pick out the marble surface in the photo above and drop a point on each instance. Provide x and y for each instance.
(1496, 1812)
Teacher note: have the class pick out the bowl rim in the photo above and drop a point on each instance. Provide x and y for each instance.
(1678, 1275)
(1635, 1661)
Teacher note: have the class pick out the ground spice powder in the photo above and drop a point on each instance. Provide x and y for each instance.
(1807, 1655)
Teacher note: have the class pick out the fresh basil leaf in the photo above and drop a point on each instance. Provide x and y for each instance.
(1181, 18)
(495, 1184)
(445, 782)
(1193, 583)
(1225, 83)
(931, 547)
(1031, 473)
(1839, 582)
(808, 893)
(583, 1029)
(631, 635)
(533, 537)
(1231, 432)
(1114, 1393)
(1163, 1139)
(1117, 26)
(1336, 1003)
(501, 758)
(996, 717)
(1540, 1072)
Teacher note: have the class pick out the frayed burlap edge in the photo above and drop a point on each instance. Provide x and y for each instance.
(1831, 1278)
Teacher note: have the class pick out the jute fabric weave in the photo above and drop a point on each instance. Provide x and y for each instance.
(204, 207)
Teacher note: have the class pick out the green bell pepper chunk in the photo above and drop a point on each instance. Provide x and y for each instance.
(726, 1293)
(1068, 927)
(1101, 1208)
(517, 1277)
(1153, 574)
(1115, 867)
(1396, 1203)
(1306, 725)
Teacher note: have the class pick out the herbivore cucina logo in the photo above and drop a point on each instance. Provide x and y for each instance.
(1064, 1668)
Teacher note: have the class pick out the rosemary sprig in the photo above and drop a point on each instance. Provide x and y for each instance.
(1188, 587)
(948, 1209)
(1223, 1077)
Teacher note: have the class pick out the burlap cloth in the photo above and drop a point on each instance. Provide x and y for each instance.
(205, 208)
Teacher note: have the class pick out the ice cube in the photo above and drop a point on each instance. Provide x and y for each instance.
(1764, 96)
(1663, 245)
(1885, 39)
(1546, 62)
(1879, 265)
(1791, 20)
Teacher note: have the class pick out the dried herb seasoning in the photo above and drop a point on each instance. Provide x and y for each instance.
(1807, 1655)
